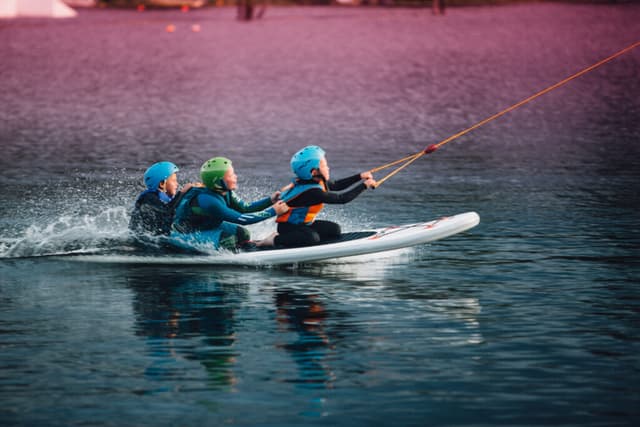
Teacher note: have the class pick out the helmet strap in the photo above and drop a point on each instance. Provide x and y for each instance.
(220, 187)
(316, 174)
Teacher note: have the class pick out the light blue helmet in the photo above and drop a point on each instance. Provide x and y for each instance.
(305, 160)
(157, 173)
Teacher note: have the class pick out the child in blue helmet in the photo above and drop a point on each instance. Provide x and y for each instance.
(215, 215)
(307, 196)
(153, 210)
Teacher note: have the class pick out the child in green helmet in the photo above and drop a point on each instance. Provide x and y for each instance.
(214, 214)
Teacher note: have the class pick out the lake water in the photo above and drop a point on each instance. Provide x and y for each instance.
(531, 318)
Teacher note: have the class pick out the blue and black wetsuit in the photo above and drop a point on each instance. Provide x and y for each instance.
(298, 227)
(153, 213)
(205, 216)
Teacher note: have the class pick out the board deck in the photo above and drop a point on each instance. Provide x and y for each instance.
(351, 244)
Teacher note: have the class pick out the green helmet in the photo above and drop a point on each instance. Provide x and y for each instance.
(212, 171)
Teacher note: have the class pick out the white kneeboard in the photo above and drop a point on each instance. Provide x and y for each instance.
(351, 244)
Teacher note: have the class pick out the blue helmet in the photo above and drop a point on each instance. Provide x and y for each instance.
(305, 160)
(157, 173)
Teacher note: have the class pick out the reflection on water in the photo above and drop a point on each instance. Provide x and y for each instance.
(208, 318)
(186, 318)
(221, 341)
(362, 268)
(311, 345)
(194, 318)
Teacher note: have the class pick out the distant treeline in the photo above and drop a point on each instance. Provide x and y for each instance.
(414, 3)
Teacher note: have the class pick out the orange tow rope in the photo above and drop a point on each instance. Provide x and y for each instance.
(430, 149)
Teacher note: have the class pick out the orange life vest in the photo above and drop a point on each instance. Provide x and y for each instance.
(301, 214)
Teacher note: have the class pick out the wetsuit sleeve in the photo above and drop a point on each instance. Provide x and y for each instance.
(217, 208)
(343, 183)
(241, 206)
(316, 195)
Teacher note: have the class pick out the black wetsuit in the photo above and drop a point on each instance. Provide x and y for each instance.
(153, 213)
(292, 234)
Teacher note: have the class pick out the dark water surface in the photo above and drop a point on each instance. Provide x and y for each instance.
(531, 318)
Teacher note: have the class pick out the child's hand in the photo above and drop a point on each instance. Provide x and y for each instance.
(366, 175)
(275, 197)
(370, 183)
(280, 207)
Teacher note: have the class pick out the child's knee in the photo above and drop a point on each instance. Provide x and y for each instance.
(243, 235)
(334, 230)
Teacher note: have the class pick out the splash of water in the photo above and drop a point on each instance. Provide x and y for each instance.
(69, 234)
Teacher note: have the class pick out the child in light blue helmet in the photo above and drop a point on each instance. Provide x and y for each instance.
(154, 208)
(307, 195)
